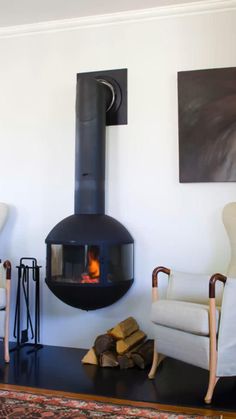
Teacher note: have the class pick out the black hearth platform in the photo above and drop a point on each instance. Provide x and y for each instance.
(59, 368)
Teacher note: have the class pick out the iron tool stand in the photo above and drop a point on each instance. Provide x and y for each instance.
(26, 273)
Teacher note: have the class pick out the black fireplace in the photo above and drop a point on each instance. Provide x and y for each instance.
(90, 254)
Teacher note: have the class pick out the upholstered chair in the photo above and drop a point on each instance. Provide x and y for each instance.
(5, 277)
(3, 214)
(196, 323)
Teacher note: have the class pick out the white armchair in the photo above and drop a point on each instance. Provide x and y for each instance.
(3, 214)
(5, 277)
(196, 323)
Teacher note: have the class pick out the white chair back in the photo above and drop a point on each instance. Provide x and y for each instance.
(192, 287)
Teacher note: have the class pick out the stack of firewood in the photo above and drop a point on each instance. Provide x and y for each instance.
(125, 345)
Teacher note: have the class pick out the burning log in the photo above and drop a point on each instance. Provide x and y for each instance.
(86, 279)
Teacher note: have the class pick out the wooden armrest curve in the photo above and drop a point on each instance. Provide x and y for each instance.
(212, 283)
(7, 266)
(155, 273)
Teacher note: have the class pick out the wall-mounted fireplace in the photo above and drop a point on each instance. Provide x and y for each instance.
(90, 254)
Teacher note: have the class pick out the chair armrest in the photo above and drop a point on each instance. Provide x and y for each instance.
(155, 281)
(155, 275)
(212, 283)
(7, 266)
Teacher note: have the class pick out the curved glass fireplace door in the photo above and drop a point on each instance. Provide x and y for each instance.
(90, 264)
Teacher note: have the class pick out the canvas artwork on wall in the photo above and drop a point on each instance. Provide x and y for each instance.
(207, 125)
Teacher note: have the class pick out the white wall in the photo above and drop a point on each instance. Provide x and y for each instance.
(177, 225)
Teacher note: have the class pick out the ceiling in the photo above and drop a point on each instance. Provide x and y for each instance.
(21, 12)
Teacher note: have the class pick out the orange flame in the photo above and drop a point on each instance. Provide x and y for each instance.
(93, 273)
(93, 264)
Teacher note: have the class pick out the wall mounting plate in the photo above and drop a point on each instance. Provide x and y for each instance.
(117, 115)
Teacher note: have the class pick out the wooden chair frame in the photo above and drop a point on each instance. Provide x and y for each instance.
(212, 329)
(7, 267)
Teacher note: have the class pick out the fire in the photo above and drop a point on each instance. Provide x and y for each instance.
(93, 274)
(93, 263)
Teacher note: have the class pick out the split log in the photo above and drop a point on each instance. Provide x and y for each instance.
(125, 362)
(108, 359)
(110, 350)
(144, 354)
(124, 329)
(124, 345)
(104, 343)
(90, 357)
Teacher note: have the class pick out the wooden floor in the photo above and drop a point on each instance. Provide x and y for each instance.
(60, 369)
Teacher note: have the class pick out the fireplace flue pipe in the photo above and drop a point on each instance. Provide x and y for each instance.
(93, 99)
(101, 99)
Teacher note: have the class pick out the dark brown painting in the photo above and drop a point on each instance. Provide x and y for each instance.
(207, 125)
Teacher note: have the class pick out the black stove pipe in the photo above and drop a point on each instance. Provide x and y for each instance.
(93, 98)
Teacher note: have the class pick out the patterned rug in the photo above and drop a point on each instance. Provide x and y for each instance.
(21, 405)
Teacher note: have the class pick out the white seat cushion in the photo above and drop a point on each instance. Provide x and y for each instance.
(181, 315)
(2, 298)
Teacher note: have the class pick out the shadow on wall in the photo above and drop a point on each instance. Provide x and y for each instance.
(136, 304)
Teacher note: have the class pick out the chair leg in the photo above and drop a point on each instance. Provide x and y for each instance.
(213, 352)
(7, 321)
(157, 359)
(6, 337)
(211, 386)
(6, 350)
(153, 369)
(212, 374)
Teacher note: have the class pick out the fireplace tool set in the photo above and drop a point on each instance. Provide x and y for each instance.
(28, 274)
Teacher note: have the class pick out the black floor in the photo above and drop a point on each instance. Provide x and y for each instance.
(60, 368)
